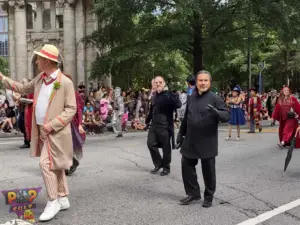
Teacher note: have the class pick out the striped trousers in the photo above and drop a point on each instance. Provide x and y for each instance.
(55, 180)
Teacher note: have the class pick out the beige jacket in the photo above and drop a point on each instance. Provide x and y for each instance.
(60, 112)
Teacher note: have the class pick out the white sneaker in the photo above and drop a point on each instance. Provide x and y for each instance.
(237, 139)
(227, 139)
(52, 208)
(64, 203)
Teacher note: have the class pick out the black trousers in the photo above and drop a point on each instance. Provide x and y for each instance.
(189, 176)
(159, 137)
(21, 122)
(21, 126)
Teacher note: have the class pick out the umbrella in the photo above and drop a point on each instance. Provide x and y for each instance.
(290, 152)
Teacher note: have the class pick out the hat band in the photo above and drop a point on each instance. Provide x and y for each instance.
(54, 57)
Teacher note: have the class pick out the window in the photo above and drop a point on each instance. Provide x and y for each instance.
(3, 36)
(3, 24)
(31, 14)
(3, 45)
(46, 15)
(59, 20)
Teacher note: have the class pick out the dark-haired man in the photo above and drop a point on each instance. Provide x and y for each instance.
(191, 84)
(198, 136)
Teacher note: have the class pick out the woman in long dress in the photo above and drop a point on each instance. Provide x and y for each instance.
(237, 116)
(286, 111)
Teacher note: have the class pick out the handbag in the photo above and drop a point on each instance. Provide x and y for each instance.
(291, 115)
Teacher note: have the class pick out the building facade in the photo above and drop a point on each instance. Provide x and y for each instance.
(33, 23)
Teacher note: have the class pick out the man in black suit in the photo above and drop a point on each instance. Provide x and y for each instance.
(198, 136)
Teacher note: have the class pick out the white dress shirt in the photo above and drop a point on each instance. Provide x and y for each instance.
(43, 100)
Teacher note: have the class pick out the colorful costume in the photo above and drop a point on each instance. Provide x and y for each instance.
(284, 112)
(104, 108)
(118, 112)
(77, 138)
(237, 116)
(181, 111)
(28, 118)
(254, 108)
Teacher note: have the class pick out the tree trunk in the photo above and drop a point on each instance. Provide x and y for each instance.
(198, 49)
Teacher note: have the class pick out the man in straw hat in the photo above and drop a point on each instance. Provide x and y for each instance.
(54, 106)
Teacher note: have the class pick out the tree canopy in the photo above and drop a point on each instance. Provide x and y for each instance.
(176, 38)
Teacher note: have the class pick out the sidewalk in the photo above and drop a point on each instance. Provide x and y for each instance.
(16, 222)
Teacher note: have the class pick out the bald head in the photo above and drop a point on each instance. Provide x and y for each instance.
(160, 84)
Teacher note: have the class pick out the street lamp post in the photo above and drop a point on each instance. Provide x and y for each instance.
(261, 66)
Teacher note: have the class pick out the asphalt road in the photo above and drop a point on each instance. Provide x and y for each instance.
(113, 184)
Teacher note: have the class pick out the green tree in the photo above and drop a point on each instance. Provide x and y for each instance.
(3, 67)
(138, 29)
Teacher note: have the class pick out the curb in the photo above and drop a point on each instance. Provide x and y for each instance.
(275, 130)
(16, 222)
(130, 131)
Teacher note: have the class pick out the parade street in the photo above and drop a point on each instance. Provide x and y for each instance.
(113, 184)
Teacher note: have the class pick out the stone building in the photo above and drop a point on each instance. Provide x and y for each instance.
(32, 23)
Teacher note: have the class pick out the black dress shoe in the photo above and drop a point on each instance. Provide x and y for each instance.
(189, 200)
(156, 169)
(207, 203)
(72, 168)
(165, 172)
(25, 146)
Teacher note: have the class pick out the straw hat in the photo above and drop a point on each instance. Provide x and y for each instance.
(49, 52)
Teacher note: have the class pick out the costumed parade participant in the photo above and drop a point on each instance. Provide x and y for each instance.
(181, 110)
(237, 116)
(54, 106)
(104, 108)
(198, 139)
(118, 112)
(285, 112)
(78, 133)
(24, 104)
(161, 131)
(254, 107)
(25, 121)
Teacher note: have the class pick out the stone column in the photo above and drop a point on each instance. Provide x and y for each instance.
(21, 40)
(70, 64)
(53, 14)
(80, 46)
(91, 53)
(11, 40)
